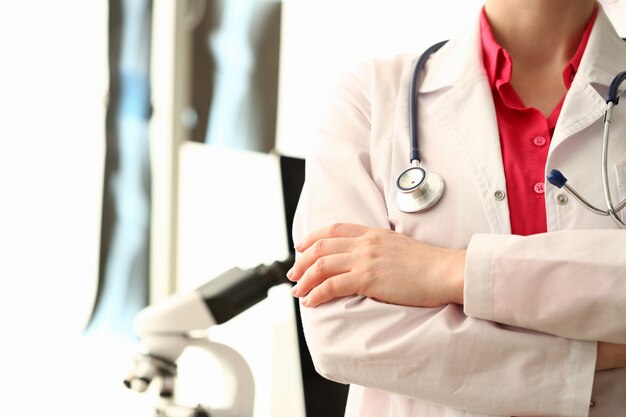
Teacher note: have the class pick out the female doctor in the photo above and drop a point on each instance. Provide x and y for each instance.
(507, 297)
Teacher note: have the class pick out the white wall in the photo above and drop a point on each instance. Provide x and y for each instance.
(53, 83)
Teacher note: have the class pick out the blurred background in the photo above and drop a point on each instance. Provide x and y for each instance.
(147, 146)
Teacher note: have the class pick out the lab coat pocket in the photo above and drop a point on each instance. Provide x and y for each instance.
(620, 172)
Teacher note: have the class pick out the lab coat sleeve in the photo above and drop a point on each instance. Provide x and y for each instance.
(568, 283)
(438, 355)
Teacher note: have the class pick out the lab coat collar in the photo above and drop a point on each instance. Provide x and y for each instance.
(605, 55)
(585, 102)
(457, 62)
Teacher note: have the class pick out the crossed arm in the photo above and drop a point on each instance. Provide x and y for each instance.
(349, 259)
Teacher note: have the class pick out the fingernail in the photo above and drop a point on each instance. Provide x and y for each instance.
(304, 301)
(297, 246)
(294, 290)
(290, 273)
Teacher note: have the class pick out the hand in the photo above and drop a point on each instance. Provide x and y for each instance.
(349, 259)
(610, 355)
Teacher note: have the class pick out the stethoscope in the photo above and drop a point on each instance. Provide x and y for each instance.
(419, 190)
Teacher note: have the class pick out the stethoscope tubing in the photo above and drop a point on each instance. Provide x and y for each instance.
(613, 95)
(413, 106)
(612, 211)
(557, 179)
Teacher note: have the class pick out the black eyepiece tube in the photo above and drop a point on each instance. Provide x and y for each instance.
(236, 290)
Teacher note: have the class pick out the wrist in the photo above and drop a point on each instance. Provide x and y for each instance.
(610, 356)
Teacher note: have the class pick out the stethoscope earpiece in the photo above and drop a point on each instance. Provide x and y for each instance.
(418, 190)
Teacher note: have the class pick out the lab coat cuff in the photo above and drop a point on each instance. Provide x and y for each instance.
(579, 380)
(477, 290)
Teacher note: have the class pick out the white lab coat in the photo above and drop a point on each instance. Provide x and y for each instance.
(524, 343)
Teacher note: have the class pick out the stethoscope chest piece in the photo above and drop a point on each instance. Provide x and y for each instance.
(418, 190)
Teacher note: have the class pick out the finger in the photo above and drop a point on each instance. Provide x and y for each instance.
(332, 231)
(324, 268)
(338, 286)
(321, 248)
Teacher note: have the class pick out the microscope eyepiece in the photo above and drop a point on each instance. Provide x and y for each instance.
(236, 290)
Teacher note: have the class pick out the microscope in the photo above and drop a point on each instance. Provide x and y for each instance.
(168, 328)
